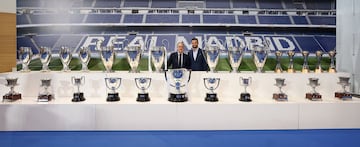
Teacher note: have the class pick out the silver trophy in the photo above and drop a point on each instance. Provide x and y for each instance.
(177, 80)
(158, 56)
(235, 57)
(212, 53)
(260, 54)
(107, 55)
(280, 96)
(305, 66)
(278, 68)
(113, 84)
(65, 57)
(45, 58)
(143, 84)
(318, 68)
(245, 96)
(344, 95)
(332, 68)
(78, 96)
(12, 95)
(84, 56)
(133, 55)
(45, 95)
(291, 62)
(25, 56)
(211, 84)
(313, 95)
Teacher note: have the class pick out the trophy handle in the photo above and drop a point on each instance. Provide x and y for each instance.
(83, 80)
(218, 83)
(72, 80)
(189, 75)
(206, 86)
(136, 83)
(149, 83)
(119, 83)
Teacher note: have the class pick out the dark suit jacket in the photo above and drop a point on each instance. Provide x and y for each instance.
(200, 63)
(173, 61)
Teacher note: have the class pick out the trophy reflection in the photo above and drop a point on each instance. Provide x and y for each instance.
(332, 68)
(11, 95)
(280, 96)
(291, 62)
(113, 84)
(133, 55)
(45, 58)
(177, 80)
(278, 68)
(45, 95)
(260, 54)
(212, 53)
(107, 55)
(84, 56)
(313, 95)
(344, 95)
(235, 57)
(158, 56)
(78, 96)
(65, 57)
(245, 96)
(305, 66)
(25, 54)
(211, 84)
(318, 68)
(143, 84)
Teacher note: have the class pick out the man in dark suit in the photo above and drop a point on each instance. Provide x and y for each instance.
(197, 57)
(179, 59)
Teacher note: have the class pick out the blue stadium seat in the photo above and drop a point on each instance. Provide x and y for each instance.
(26, 42)
(136, 3)
(28, 3)
(83, 3)
(162, 18)
(21, 19)
(322, 5)
(308, 43)
(133, 18)
(300, 20)
(244, 4)
(46, 40)
(56, 18)
(70, 41)
(291, 5)
(190, 18)
(163, 4)
(274, 20)
(247, 19)
(107, 4)
(327, 42)
(323, 20)
(270, 4)
(217, 4)
(103, 18)
(219, 19)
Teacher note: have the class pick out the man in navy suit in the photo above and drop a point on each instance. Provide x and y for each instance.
(179, 59)
(197, 57)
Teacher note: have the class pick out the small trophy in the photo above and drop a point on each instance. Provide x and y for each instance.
(313, 96)
(235, 57)
(25, 54)
(245, 96)
(260, 54)
(12, 95)
(212, 53)
(278, 68)
(65, 57)
(344, 95)
(332, 68)
(84, 56)
(45, 95)
(177, 82)
(78, 96)
(305, 67)
(113, 84)
(107, 55)
(45, 58)
(143, 84)
(280, 96)
(211, 84)
(318, 68)
(291, 62)
(133, 55)
(158, 57)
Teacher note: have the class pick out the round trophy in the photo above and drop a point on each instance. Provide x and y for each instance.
(133, 55)
(280, 96)
(25, 55)
(211, 84)
(245, 96)
(344, 95)
(65, 57)
(278, 68)
(332, 68)
(212, 54)
(78, 96)
(318, 68)
(11, 95)
(177, 81)
(158, 56)
(84, 56)
(44, 94)
(143, 84)
(313, 95)
(260, 54)
(291, 62)
(305, 66)
(45, 58)
(235, 57)
(113, 84)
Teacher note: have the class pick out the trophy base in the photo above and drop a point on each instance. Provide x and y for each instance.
(332, 70)
(25, 70)
(211, 97)
(113, 97)
(278, 70)
(245, 97)
(343, 95)
(291, 70)
(45, 97)
(280, 97)
(313, 96)
(318, 70)
(143, 97)
(11, 97)
(178, 97)
(78, 97)
(304, 70)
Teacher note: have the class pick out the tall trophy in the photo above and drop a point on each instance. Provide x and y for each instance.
(177, 80)
(332, 68)
(280, 96)
(12, 95)
(291, 62)
(211, 84)
(344, 95)
(133, 55)
(313, 95)
(157, 57)
(143, 84)
(25, 54)
(260, 54)
(45, 95)
(305, 66)
(78, 96)
(245, 96)
(107, 55)
(45, 58)
(212, 53)
(235, 56)
(65, 57)
(84, 56)
(278, 68)
(113, 84)
(318, 68)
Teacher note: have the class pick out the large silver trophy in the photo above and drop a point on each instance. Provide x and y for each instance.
(332, 68)
(113, 84)
(260, 54)
(143, 84)
(78, 96)
(291, 62)
(278, 68)
(280, 96)
(235, 57)
(305, 67)
(107, 55)
(133, 55)
(318, 68)
(25, 56)
(212, 53)
(84, 56)
(65, 57)
(245, 96)
(12, 95)
(344, 95)
(211, 84)
(45, 58)
(177, 80)
(45, 95)
(313, 95)
(158, 54)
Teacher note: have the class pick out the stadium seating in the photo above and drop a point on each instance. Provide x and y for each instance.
(107, 4)
(136, 3)
(133, 18)
(274, 20)
(190, 18)
(162, 18)
(103, 18)
(219, 19)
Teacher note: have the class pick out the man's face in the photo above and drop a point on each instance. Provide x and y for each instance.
(194, 44)
(180, 48)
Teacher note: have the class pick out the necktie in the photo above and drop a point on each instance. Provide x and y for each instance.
(180, 60)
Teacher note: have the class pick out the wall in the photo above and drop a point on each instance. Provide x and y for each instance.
(7, 35)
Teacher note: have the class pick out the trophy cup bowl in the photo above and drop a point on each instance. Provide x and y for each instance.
(45, 95)
(313, 95)
(177, 82)
(158, 57)
(78, 96)
(332, 68)
(260, 54)
(11, 95)
(212, 56)
(211, 84)
(65, 57)
(235, 57)
(344, 95)
(45, 58)
(84, 56)
(25, 54)
(280, 96)
(133, 55)
(278, 68)
(305, 67)
(291, 62)
(107, 56)
(318, 68)
(143, 84)
(245, 96)
(113, 84)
